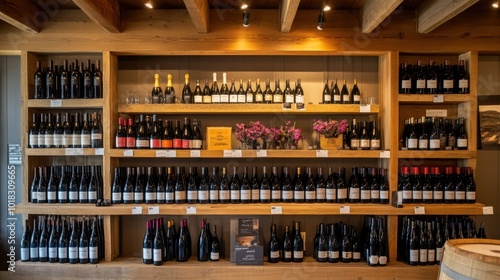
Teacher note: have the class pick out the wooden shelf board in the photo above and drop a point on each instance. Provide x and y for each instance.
(60, 209)
(133, 268)
(242, 109)
(64, 152)
(455, 154)
(444, 209)
(66, 103)
(152, 153)
(429, 98)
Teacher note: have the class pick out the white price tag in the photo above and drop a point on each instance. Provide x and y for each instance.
(438, 98)
(191, 210)
(171, 153)
(365, 108)
(344, 209)
(70, 152)
(276, 210)
(261, 153)
(488, 210)
(99, 152)
(321, 153)
(385, 154)
(228, 153)
(136, 210)
(233, 153)
(153, 210)
(237, 153)
(195, 153)
(128, 153)
(161, 153)
(79, 151)
(56, 103)
(419, 210)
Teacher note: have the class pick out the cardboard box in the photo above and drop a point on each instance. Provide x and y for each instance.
(219, 138)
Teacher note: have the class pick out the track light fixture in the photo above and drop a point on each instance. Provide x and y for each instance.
(495, 5)
(326, 8)
(149, 4)
(246, 18)
(321, 19)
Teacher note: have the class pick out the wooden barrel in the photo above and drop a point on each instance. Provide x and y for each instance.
(466, 259)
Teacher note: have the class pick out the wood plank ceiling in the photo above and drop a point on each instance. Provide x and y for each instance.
(429, 14)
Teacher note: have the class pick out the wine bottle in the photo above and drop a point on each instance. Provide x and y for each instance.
(299, 96)
(224, 90)
(431, 245)
(58, 132)
(41, 132)
(42, 185)
(207, 96)
(85, 136)
(233, 94)
(277, 94)
(405, 79)
(214, 186)
(156, 92)
(225, 193)
(355, 94)
(96, 131)
(274, 250)
(235, 186)
(192, 185)
(327, 94)
(364, 186)
(298, 186)
(460, 187)
(167, 136)
(151, 187)
(204, 186)
(461, 135)
(426, 183)
(268, 93)
(128, 187)
(34, 185)
(186, 134)
(130, 135)
(242, 97)
(183, 243)
(384, 186)
(25, 242)
(419, 79)
(333, 246)
(249, 93)
(322, 255)
(364, 138)
(336, 96)
(298, 245)
(203, 244)
(94, 243)
(373, 244)
(259, 95)
(97, 80)
(345, 95)
(438, 188)
(34, 243)
(177, 137)
(169, 91)
(33, 133)
(354, 137)
(319, 182)
(330, 187)
(50, 82)
(406, 186)
(49, 132)
(255, 186)
(88, 82)
(158, 245)
(449, 187)
(215, 247)
(170, 186)
(39, 90)
(470, 188)
(423, 245)
(117, 188)
(76, 78)
(346, 246)
(382, 244)
(462, 79)
(83, 195)
(180, 186)
(187, 95)
(289, 97)
(446, 82)
(374, 185)
(413, 246)
(62, 246)
(245, 193)
(73, 244)
(431, 83)
(287, 246)
(43, 242)
(356, 246)
(417, 192)
(52, 185)
(275, 185)
(341, 186)
(374, 137)
(83, 245)
(214, 90)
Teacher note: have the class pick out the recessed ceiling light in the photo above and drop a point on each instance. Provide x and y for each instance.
(495, 5)
(149, 5)
(244, 6)
(326, 8)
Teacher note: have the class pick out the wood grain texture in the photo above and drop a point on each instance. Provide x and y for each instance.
(198, 11)
(288, 10)
(21, 14)
(376, 11)
(105, 14)
(431, 14)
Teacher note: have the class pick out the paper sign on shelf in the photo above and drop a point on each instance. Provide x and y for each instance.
(56, 103)
(438, 98)
(276, 210)
(345, 209)
(99, 151)
(161, 153)
(171, 153)
(128, 153)
(419, 210)
(321, 153)
(365, 108)
(385, 154)
(136, 210)
(488, 210)
(153, 210)
(261, 153)
(233, 153)
(195, 153)
(191, 210)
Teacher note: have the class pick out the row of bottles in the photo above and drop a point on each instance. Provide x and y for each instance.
(421, 239)
(50, 130)
(67, 184)
(63, 239)
(431, 185)
(289, 248)
(64, 82)
(332, 94)
(154, 133)
(173, 185)
(433, 79)
(431, 133)
(364, 135)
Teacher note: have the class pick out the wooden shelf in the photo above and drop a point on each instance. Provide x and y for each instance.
(443, 209)
(455, 154)
(429, 98)
(65, 103)
(242, 109)
(152, 153)
(60, 209)
(64, 152)
(133, 268)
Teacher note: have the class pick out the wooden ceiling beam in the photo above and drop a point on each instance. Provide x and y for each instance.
(105, 13)
(22, 14)
(198, 11)
(375, 11)
(288, 10)
(431, 14)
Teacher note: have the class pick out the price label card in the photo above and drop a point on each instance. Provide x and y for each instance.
(161, 153)
(237, 153)
(385, 154)
(191, 210)
(128, 153)
(344, 209)
(136, 210)
(419, 210)
(488, 210)
(261, 153)
(365, 108)
(438, 98)
(153, 210)
(195, 153)
(321, 153)
(56, 103)
(70, 152)
(276, 210)
(99, 152)
(171, 153)
(227, 153)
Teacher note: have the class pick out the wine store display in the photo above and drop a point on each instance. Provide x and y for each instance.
(430, 133)
(437, 184)
(174, 185)
(68, 81)
(332, 94)
(59, 130)
(152, 133)
(63, 239)
(433, 79)
(421, 239)
(67, 184)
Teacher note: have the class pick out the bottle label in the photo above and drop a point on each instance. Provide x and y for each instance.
(431, 255)
(147, 253)
(420, 84)
(298, 194)
(198, 99)
(354, 143)
(131, 142)
(128, 196)
(255, 194)
(49, 140)
(224, 195)
(167, 144)
(320, 193)
(298, 254)
(85, 139)
(42, 252)
(51, 195)
(461, 143)
(34, 252)
(434, 144)
(150, 196)
(197, 144)
(274, 254)
(356, 255)
(207, 99)
(287, 194)
(34, 140)
(322, 254)
(77, 140)
(83, 253)
(356, 98)
(365, 194)
(407, 194)
(342, 193)
(414, 255)
(375, 194)
(169, 196)
(155, 143)
(138, 196)
(327, 98)
(233, 98)
(289, 98)
(25, 254)
(242, 98)
(180, 195)
(157, 255)
(117, 197)
(93, 253)
(471, 195)
(235, 194)
(427, 195)
(214, 195)
(333, 254)
(214, 256)
(62, 252)
(177, 143)
(265, 194)
(448, 84)
(459, 195)
(331, 194)
(259, 98)
(311, 195)
(364, 143)
(95, 136)
(249, 98)
(463, 83)
(41, 196)
(439, 254)
(412, 144)
(417, 194)
(41, 139)
(431, 84)
(278, 98)
(58, 140)
(336, 98)
(185, 143)
(406, 84)
(288, 254)
(423, 144)
(373, 259)
(276, 194)
(73, 195)
(449, 195)
(142, 143)
(268, 98)
(384, 194)
(438, 195)
(73, 253)
(160, 197)
(375, 144)
(215, 98)
(346, 255)
(299, 99)
(345, 98)
(83, 195)
(92, 195)
(121, 142)
(382, 260)
(423, 255)
(192, 195)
